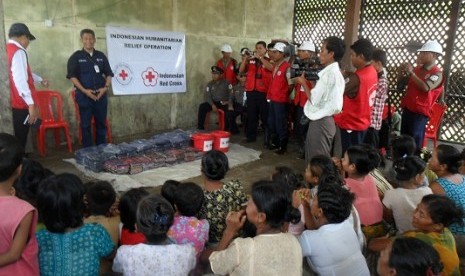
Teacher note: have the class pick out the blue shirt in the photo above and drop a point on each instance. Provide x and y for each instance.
(457, 194)
(75, 253)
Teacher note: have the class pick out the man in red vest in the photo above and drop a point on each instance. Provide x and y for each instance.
(359, 93)
(228, 64)
(278, 95)
(258, 78)
(424, 87)
(22, 89)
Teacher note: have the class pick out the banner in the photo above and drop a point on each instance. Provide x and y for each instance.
(146, 62)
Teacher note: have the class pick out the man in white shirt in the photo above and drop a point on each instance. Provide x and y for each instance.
(22, 87)
(324, 100)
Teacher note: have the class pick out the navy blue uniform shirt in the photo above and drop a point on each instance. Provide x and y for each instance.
(82, 65)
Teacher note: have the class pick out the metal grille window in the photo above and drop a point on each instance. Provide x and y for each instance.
(393, 24)
(316, 20)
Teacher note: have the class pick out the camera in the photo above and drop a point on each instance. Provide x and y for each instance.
(248, 53)
(310, 69)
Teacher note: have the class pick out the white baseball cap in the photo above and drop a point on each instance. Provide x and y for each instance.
(226, 48)
(279, 46)
(307, 46)
(431, 46)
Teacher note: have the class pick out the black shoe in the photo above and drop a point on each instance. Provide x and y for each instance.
(280, 151)
(271, 146)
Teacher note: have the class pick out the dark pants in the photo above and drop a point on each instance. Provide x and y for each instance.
(257, 107)
(278, 123)
(372, 137)
(21, 130)
(231, 117)
(204, 108)
(300, 130)
(89, 109)
(351, 138)
(414, 124)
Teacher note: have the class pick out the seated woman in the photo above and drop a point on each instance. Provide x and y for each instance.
(270, 252)
(220, 198)
(409, 256)
(332, 249)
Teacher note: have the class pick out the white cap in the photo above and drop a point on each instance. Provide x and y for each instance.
(279, 46)
(307, 46)
(431, 46)
(226, 48)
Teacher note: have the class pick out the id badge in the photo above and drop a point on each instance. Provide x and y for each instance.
(96, 68)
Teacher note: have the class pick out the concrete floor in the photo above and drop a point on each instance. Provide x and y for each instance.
(247, 173)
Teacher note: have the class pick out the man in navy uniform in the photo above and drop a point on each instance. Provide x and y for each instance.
(91, 74)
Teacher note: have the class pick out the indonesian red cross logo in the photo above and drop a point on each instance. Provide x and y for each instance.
(150, 77)
(123, 74)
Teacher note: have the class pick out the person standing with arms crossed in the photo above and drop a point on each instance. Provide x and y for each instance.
(90, 72)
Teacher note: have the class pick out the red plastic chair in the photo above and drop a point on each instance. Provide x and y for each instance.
(51, 112)
(94, 128)
(432, 127)
(221, 119)
(386, 109)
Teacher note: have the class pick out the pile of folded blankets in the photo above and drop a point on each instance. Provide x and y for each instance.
(161, 150)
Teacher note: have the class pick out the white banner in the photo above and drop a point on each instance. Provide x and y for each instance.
(146, 62)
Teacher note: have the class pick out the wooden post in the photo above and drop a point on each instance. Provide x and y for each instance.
(351, 29)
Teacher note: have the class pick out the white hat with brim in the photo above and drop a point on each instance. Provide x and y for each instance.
(431, 46)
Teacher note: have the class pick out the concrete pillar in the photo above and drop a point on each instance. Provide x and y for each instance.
(6, 121)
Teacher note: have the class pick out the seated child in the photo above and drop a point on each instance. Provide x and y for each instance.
(400, 203)
(100, 198)
(168, 189)
(333, 247)
(18, 244)
(358, 161)
(187, 228)
(293, 182)
(321, 170)
(220, 198)
(156, 256)
(27, 184)
(68, 246)
(271, 252)
(409, 256)
(127, 210)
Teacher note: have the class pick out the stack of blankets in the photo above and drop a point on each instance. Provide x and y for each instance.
(161, 150)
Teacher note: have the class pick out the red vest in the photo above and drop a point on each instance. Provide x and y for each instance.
(300, 98)
(279, 88)
(16, 101)
(229, 73)
(418, 101)
(258, 77)
(356, 112)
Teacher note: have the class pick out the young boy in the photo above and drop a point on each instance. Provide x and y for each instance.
(379, 62)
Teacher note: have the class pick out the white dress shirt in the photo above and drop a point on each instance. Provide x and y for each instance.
(327, 96)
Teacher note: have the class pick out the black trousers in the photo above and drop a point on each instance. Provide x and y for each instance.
(204, 108)
(257, 107)
(21, 129)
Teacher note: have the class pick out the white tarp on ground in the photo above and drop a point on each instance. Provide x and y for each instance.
(237, 155)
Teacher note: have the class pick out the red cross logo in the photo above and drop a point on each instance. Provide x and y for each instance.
(123, 74)
(150, 77)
